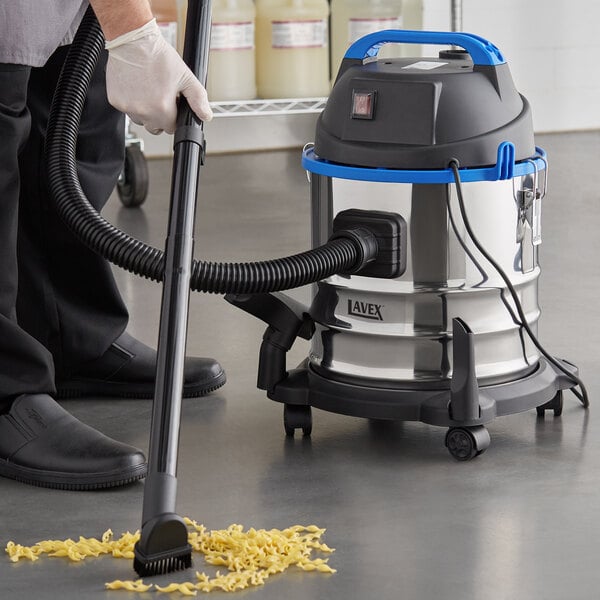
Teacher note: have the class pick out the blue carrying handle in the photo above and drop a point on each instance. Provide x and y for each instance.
(482, 52)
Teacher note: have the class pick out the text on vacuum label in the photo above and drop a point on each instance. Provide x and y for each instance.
(367, 310)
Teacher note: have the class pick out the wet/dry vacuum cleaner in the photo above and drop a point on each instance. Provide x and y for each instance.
(426, 197)
(437, 156)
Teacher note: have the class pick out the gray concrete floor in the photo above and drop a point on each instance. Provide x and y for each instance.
(520, 522)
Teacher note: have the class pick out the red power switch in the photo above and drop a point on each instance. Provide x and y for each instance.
(363, 105)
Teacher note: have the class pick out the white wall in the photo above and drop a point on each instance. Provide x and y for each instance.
(552, 47)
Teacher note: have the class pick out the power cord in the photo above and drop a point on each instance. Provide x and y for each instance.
(583, 396)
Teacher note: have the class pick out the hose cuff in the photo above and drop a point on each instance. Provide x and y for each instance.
(366, 246)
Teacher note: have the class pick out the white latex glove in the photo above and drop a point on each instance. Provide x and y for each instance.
(144, 77)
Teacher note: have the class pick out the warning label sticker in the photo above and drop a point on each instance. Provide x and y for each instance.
(300, 34)
(425, 65)
(232, 36)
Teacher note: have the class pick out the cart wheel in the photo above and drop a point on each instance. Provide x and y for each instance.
(132, 186)
(297, 417)
(465, 443)
(556, 404)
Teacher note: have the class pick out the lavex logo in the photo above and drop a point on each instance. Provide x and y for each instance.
(367, 310)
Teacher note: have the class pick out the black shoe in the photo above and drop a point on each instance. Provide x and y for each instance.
(42, 444)
(127, 370)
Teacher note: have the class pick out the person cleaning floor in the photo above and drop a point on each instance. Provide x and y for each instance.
(62, 320)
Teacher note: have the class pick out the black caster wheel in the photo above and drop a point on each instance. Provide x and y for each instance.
(132, 186)
(556, 404)
(465, 443)
(297, 417)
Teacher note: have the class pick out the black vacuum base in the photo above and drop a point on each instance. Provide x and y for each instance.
(467, 437)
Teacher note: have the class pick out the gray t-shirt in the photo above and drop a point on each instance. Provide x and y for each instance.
(31, 30)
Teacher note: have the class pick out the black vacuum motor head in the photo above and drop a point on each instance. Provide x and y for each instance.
(418, 113)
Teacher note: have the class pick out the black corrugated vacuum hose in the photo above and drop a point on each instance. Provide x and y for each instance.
(344, 254)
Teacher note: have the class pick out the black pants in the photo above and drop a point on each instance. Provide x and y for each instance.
(59, 304)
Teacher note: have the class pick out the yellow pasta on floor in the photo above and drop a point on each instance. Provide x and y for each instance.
(250, 556)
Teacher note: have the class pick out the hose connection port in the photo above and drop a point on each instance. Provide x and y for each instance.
(380, 238)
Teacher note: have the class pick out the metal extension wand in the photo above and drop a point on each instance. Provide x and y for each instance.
(163, 546)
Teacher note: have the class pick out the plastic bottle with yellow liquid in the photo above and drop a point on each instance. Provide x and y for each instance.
(292, 48)
(165, 12)
(182, 6)
(353, 19)
(231, 65)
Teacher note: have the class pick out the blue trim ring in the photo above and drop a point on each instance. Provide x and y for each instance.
(505, 168)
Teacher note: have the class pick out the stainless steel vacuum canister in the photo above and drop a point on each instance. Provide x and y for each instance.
(384, 143)
(435, 157)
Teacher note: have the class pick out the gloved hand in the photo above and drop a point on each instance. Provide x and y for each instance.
(144, 77)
